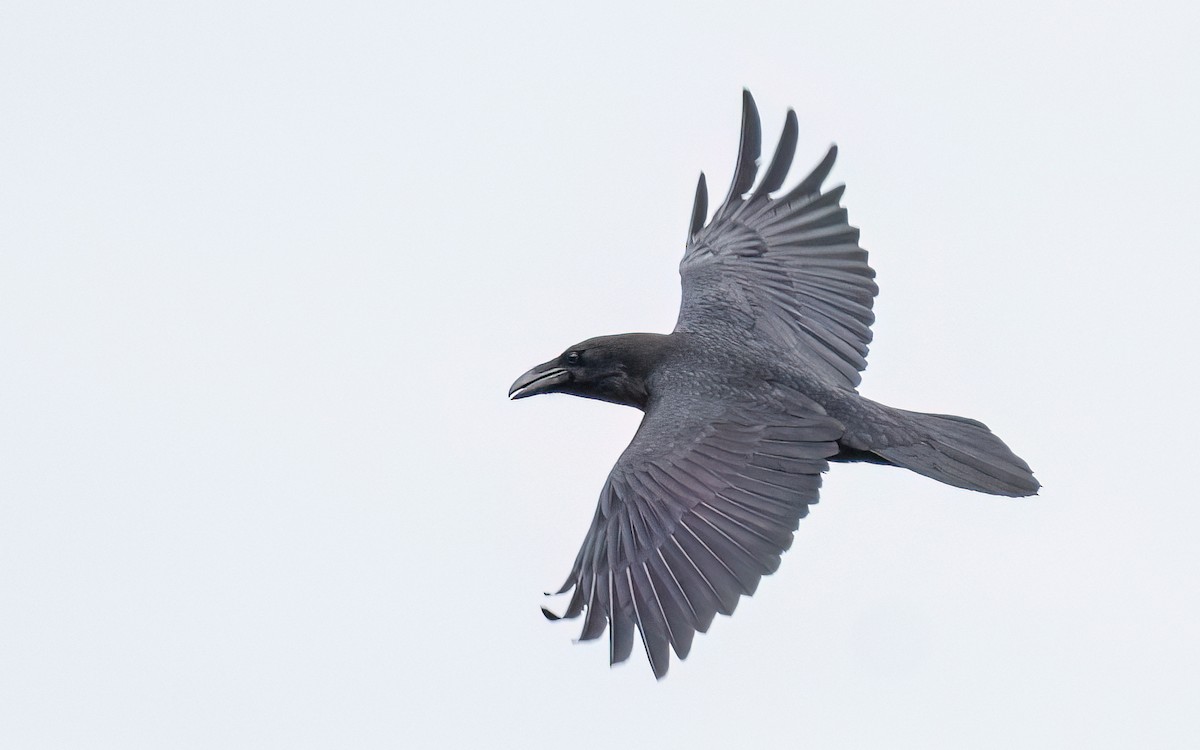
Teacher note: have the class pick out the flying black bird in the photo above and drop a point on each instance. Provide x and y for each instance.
(745, 403)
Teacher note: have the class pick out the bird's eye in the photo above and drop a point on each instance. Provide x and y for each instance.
(572, 358)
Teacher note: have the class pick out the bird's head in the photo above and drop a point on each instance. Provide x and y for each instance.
(608, 368)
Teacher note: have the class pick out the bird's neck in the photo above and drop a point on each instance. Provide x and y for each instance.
(641, 354)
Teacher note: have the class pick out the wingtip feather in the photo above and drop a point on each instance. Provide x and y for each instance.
(699, 208)
(781, 162)
(749, 149)
(812, 183)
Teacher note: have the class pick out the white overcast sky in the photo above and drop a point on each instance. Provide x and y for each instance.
(268, 269)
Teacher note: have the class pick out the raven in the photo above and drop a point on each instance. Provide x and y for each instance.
(745, 403)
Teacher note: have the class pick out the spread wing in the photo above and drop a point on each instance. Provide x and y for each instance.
(697, 509)
(786, 270)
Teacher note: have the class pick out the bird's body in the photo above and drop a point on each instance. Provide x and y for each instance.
(745, 403)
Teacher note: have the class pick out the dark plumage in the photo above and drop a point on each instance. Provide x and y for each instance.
(745, 403)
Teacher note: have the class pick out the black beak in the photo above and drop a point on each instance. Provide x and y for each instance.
(544, 378)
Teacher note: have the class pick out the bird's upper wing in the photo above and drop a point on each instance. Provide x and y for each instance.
(696, 510)
(787, 270)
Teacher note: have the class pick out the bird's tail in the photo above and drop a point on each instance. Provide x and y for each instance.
(963, 453)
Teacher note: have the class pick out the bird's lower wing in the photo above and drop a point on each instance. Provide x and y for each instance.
(698, 508)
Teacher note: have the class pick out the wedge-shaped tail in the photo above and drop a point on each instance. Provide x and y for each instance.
(963, 453)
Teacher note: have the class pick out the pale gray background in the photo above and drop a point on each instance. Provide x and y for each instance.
(267, 270)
